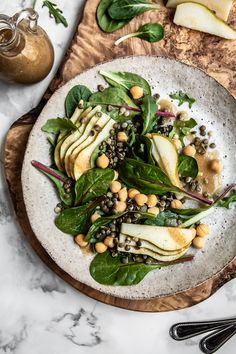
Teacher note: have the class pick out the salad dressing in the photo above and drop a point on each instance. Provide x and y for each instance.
(214, 179)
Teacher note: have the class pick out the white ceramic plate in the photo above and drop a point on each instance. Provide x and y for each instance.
(214, 107)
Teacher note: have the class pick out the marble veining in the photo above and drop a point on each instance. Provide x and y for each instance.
(39, 313)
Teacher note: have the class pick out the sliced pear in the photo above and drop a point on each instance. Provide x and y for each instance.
(86, 139)
(151, 247)
(61, 138)
(83, 160)
(166, 155)
(75, 135)
(57, 153)
(220, 7)
(166, 238)
(157, 256)
(200, 18)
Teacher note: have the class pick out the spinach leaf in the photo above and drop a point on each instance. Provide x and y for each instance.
(59, 179)
(182, 128)
(126, 80)
(58, 125)
(188, 166)
(92, 184)
(164, 219)
(105, 22)
(150, 32)
(142, 150)
(77, 93)
(127, 9)
(102, 221)
(108, 270)
(226, 202)
(113, 96)
(76, 220)
(182, 98)
(149, 108)
(146, 178)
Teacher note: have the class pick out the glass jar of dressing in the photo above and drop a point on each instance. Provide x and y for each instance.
(26, 52)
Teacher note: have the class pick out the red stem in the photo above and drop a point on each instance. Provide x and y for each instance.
(166, 114)
(225, 192)
(48, 170)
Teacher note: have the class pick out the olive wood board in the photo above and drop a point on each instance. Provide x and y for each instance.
(89, 47)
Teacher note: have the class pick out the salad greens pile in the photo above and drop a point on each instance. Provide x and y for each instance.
(110, 145)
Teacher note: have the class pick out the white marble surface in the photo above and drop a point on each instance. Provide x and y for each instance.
(39, 313)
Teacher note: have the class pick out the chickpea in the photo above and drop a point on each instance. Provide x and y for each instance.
(100, 247)
(123, 194)
(154, 210)
(166, 105)
(136, 92)
(183, 116)
(141, 199)
(176, 204)
(216, 166)
(80, 240)
(119, 207)
(177, 143)
(102, 161)
(109, 242)
(198, 242)
(94, 217)
(132, 193)
(152, 200)
(189, 150)
(202, 230)
(122, 136)
(115, 186)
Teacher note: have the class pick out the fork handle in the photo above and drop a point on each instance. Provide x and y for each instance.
(185, 330)
(211, 343)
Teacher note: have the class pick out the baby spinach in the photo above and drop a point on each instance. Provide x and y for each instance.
(142, 149)
(146, 178)
(59, 179)
(116, 97)
(127, 9)
(58, 125)
(76, 220)
(108, 270)
(182, 128)
(126, 80)
(227, 201)
(163, 219)
(92, 184)
(105, 22)
(188, 166)
(150, 32)
(77, 93)
(149, 108)
(182, 98)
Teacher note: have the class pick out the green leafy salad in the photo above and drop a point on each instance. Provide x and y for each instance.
(124, 164)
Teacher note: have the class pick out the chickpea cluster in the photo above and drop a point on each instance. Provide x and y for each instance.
(202, 230)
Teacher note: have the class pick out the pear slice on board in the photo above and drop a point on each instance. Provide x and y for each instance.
(220, 7)
(150, 246)
(200, 18)
(166, 155)
(166, 238)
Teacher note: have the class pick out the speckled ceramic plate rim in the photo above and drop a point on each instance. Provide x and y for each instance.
(207, 77)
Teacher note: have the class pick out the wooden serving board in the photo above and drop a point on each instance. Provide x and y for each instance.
(89, 47)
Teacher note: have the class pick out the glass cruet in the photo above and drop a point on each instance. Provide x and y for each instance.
(26, 52)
